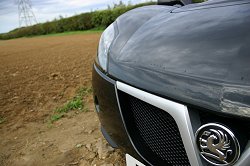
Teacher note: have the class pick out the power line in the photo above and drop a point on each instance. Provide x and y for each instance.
(25, 13)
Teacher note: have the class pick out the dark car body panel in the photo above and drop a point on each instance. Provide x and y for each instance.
(108, 112)
(105, 99)
(200, 57)
(211, 4)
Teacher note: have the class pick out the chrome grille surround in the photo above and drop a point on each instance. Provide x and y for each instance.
(179, 113)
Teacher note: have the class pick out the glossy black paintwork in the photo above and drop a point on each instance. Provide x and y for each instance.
(105, 100)
(108, 112)
(198, 54)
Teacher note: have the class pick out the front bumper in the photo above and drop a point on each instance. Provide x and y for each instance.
(188, 119)
(107, 108)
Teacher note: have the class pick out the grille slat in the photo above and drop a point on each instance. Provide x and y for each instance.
(153, 131)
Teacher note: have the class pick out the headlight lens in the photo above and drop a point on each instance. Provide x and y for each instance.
(104, 45)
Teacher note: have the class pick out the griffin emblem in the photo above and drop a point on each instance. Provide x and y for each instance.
(217, 144)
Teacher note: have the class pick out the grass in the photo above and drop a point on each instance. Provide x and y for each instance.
(84, 91)
(76, 103)
(93, 31)
(2, 120)
(71, 33)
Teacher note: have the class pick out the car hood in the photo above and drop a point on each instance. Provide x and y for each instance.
(193, 55)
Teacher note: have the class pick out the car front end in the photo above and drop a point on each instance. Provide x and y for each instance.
(172, 84)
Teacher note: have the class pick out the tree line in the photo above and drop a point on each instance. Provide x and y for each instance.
(96, 20)
(87, 21)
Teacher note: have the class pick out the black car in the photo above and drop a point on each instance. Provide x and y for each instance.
(172, 84)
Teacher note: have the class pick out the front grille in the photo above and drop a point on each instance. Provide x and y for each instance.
(153, 132)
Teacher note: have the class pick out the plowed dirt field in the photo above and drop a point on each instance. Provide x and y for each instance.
(39, 75)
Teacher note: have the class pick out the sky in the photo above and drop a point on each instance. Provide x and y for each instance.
(47, 10)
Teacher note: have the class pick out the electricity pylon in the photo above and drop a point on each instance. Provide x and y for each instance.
(25, 13)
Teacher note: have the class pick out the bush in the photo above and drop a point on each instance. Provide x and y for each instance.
(85, 21)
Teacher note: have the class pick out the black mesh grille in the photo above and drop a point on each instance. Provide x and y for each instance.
(154, 132)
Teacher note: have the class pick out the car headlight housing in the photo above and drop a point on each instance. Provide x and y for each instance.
(104, 45)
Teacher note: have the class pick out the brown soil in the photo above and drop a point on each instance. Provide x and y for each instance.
(37, 76)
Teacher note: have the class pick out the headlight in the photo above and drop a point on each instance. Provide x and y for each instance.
(104, 45)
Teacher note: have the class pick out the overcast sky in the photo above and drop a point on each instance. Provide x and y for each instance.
(47, 10)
